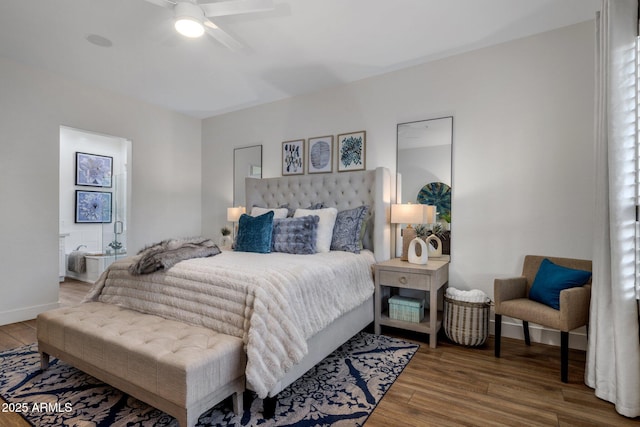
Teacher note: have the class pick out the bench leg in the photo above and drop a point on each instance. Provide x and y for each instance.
(269, 405)
(44, 361)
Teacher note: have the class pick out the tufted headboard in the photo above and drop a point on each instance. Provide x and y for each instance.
(343, 190)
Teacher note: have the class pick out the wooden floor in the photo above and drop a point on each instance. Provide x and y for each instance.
(450, 385)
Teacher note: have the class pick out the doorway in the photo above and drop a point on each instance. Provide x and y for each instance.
(95, 188)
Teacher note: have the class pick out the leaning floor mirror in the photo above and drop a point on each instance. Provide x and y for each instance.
(424, 165)
(247, 162)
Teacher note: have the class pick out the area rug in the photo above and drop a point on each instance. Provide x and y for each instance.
(342, 390)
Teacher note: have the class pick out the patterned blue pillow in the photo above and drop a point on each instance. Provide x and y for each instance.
(346, 231)
(254, 233)
(295, 235)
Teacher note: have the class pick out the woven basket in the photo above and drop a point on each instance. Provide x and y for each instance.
(466, 323)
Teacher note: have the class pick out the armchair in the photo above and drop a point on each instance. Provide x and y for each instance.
(512, 299)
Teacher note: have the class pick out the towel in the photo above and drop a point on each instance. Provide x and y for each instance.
(77, 262)
(475, 295)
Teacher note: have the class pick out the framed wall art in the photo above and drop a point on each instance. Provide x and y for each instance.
(93, 207)
(352, 151)
(93, 170)
(320, 154)
(293, 157)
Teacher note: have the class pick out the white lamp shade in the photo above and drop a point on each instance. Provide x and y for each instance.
(430, 214)
(233, 214)
(408, 214)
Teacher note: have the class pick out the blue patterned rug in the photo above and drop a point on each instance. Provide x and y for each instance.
(341, 390)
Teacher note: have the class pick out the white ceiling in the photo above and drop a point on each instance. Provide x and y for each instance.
(300, 47)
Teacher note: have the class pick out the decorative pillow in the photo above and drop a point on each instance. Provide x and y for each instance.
(254, 233)
(346, 231)
(319, 205)
(295, 235)
(325, 226)
(551, 279)
(277, 212)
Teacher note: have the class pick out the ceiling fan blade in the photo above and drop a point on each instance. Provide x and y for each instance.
(217, 33)
(236, 7)
(169, 4)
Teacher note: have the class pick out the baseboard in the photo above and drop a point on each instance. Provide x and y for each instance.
(512, 328)
(27, 313)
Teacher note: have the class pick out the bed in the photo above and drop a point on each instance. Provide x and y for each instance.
(286, 331)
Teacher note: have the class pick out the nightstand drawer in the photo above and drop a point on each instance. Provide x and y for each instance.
(404, 280)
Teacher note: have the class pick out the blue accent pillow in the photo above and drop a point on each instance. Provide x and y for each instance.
(347, 234)
(254, 233)
(551, 279)
(295, 235)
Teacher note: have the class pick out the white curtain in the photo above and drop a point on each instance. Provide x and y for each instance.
(613, 355)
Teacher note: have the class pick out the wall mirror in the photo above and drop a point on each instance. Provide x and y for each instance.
(247, 162)
(424, 164)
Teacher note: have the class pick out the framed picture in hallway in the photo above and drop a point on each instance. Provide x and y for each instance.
(93, 170)
(93, 207)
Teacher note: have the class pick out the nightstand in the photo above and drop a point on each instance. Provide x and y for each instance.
(394, 274)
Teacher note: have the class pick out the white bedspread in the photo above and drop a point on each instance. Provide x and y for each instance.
(274, 302)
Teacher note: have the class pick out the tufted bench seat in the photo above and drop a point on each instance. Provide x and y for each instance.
(176, 367)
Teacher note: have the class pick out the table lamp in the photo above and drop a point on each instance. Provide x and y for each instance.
(233, 215)
(409, 213)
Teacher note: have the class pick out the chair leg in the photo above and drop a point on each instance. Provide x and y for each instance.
(498, 327)
(564, 356)
(587, 330)
(525, 328)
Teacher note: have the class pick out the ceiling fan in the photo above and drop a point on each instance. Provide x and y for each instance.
(192, 19)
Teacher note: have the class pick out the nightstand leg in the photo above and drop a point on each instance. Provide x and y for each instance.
(377, 307)
(433, 317)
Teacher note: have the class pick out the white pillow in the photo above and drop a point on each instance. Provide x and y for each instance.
(277, 213)
(325, 226)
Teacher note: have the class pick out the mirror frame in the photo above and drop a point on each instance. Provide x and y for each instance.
(399, 172)
(235, 166)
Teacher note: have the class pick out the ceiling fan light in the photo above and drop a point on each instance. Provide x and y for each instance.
(189, 18)
(189, 27)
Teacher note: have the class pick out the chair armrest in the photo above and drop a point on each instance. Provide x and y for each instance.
(507, 289)
(574, 307)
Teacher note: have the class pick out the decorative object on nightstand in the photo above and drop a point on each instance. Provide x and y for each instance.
(394, 275)
(226, 240)
(233, 215)
(412, 214)
(431, 233)
(434, 251)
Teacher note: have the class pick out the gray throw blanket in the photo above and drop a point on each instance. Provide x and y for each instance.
(165, 254)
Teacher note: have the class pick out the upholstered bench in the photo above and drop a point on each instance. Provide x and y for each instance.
(178, 368)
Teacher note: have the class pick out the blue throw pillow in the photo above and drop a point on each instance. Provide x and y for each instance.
(551, 279)
(254, 233)
(295, 235)
(347, 235)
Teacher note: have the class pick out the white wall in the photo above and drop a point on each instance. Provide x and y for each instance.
(166, 176)
(522, 146)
